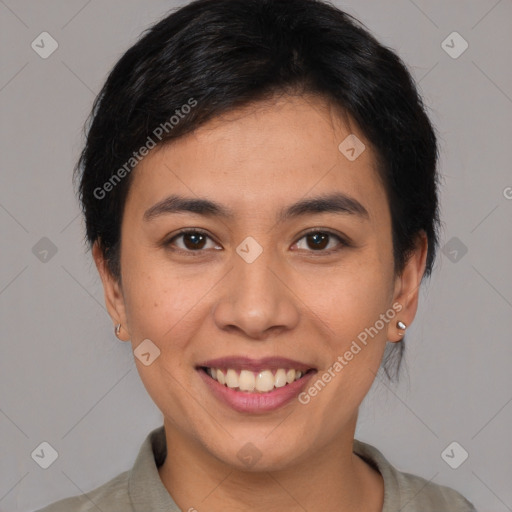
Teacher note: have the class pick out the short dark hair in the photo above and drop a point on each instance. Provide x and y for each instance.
(218, 55)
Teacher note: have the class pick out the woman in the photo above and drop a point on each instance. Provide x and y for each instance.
(259, 188)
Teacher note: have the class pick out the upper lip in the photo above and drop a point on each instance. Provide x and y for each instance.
(255, 365)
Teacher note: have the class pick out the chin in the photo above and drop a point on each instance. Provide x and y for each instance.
(258, 452)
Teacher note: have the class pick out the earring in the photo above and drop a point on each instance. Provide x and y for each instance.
(401, 325)
(117, 330)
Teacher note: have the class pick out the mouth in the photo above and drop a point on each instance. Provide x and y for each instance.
(255, 386)
(248, 381)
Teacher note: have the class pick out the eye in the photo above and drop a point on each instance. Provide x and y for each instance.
(318, 241)
(195, 240)
(192, 240)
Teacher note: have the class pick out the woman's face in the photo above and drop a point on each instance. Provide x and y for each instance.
(252, 294)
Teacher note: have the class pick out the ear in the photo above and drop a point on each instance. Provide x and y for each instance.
(114, 299)
(407, 287)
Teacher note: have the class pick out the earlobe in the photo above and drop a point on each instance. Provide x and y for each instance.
(119, 333)
(396, 330)
(407, 286)
(114, 299)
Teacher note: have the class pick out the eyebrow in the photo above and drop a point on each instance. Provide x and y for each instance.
(327, 203)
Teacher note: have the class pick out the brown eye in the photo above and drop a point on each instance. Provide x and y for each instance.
(194, 240)
(191, 241)
(320, 240)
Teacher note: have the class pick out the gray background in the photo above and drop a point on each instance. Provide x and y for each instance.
(66, 380)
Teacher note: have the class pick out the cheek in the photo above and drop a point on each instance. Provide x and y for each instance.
(350, 304)
(355, 307)
(163, 306)
(160, 304)
(349, 298)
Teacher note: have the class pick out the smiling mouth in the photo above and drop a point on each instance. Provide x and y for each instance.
(263, 381)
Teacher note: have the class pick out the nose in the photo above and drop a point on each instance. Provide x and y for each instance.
(257, 300)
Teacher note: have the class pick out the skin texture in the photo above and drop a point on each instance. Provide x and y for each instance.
(293, 301)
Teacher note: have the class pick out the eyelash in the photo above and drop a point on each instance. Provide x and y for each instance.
(342, 241)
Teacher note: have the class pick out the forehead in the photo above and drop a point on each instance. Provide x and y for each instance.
(263, 155)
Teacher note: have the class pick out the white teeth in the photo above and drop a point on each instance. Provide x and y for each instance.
(231, 379)
(280, 378)
(248, 381)
(264, 381)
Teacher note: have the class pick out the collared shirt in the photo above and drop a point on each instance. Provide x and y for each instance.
(141, 490)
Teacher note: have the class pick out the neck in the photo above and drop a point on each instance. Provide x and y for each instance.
(333, 478)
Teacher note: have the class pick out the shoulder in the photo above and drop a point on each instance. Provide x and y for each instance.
(419, 494)
(112, 496)
(411, 493)
(138, 489)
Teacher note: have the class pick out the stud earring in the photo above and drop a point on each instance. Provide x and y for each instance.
(401, 325)
(117, 329)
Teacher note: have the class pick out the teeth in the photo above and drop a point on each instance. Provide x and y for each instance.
(264, 381)
(231, 379)
(280, 378)
(290, 376)
(248, 381)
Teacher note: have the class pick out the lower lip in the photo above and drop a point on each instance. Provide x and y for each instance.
(244, 401)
